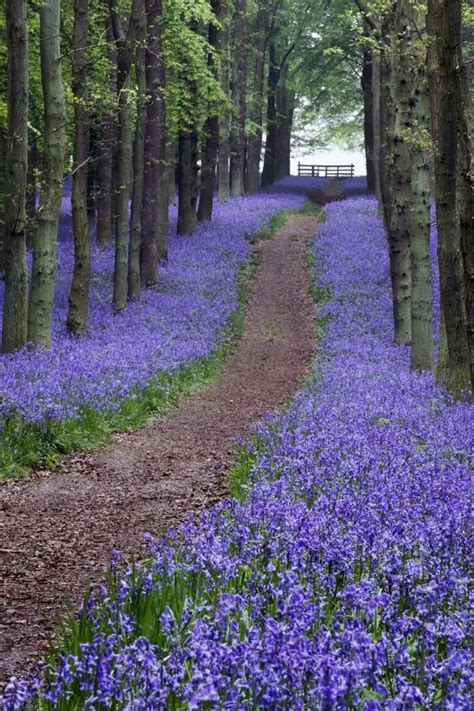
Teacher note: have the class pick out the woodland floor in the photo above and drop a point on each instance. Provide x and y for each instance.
(58, 530)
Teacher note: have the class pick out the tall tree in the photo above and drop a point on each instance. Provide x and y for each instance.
(444, 28)
(43, 274)
(79, 296)
(252, 175)
(125, 50)
(225, 118)
(16, 275)
(239, 100)
(134, 271)
(211, 129)
(105, 160)
(155, 206)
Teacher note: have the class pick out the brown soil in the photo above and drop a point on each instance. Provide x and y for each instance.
(58, 530)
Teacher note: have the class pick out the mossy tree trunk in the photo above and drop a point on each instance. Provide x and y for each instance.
(78, 313)
(43, 275)
(15, 308)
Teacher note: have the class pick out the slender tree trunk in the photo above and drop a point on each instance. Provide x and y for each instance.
(376, 80)
(254, 150)
(15, 308)
(367, 82)
(155, 206)
(268, 174)
(105, 203)
(224, 122)
(186, 185)
(239, 101)
(211, 130)
(397, 192)
(124, 156)
(3, 163)
(283, 128)
(78, 313)
(134, 279)
(422, 348)
(466, 193)
(33, 165)
(43, 274)
(443, 29)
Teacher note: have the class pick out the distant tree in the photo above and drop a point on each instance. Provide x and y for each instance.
(43, 274)
(16, 276)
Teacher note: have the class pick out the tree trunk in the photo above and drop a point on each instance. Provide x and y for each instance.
(239, 102)
(43, 275)
(224, 121)
(105, 203)
(398, 192)
(422, 357)
(367, 82)
(211, 130)
(124, 45)
(15, 308)
(284, 120)
(186, 185)
(466, 194)
(376, 80)
(155, 205)
(134, 278)
(443, 29)
(79, 296)
(254, 148)
(268, 173)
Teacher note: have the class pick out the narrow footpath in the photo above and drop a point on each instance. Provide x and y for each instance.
(58, 530)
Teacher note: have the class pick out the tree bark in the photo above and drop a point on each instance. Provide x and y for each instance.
(124, 45)
(254, 145)
(211, 129)
(155, 206)
(134, 276)
(186, 185)
(397, 190)
(239, 101)
(15, 308)
(268, 173)
(367, 82)
(105, 202)
(78, 313)
(224, 121)
(422, 347)
(43, 275)
(466, 195)
(443, 29)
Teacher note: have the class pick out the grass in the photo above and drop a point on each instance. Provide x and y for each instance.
(25, 446)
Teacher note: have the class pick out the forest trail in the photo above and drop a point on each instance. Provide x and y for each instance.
(58, 530)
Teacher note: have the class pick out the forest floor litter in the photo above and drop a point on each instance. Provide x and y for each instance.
(59, 529)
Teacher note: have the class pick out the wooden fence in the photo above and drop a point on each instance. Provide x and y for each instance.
(326, 171)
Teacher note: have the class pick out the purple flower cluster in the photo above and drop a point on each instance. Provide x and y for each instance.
(179, 321)
(340, 579)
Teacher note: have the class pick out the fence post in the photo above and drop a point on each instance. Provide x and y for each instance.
(299, 168)
(352, 170)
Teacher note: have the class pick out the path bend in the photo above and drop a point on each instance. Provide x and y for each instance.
(58, 531)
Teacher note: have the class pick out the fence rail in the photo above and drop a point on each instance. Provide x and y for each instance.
(326, 171)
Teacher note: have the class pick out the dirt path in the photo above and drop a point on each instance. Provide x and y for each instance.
(58, 530)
